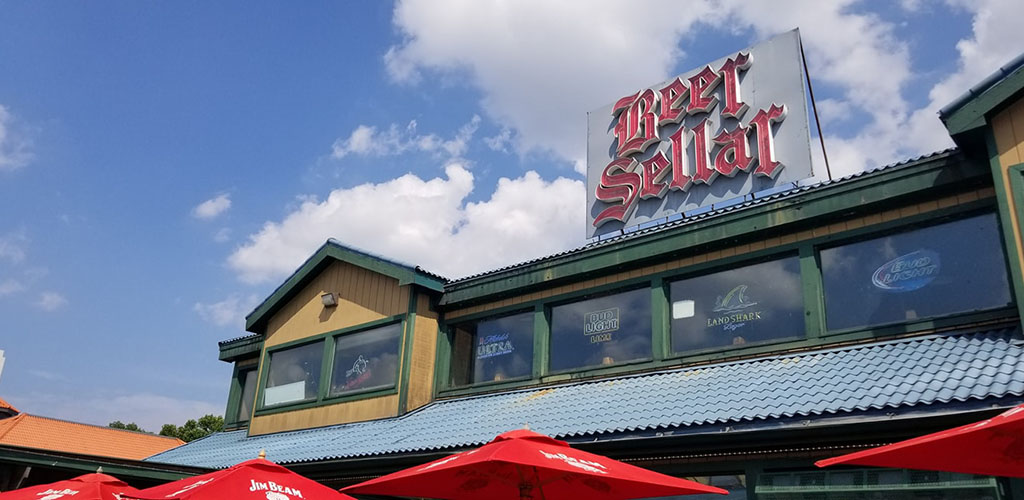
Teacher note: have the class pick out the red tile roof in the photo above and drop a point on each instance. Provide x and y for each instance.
(30, 431)
(4, 405)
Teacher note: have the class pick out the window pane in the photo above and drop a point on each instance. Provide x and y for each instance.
(294, 374)
(740, 306)
(366, 360)
(736, 485)
(248, 379)
(949, 268)
(493, 349)
(601, 331)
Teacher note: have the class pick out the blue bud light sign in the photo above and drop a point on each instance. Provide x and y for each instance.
(908, 272)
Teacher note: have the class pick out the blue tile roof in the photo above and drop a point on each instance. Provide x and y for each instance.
(837, 381)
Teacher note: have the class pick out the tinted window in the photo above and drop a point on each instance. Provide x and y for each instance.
(248, 381)
(739, 306)
(366, 360)
(948, 268)
(493, 349)
(294, 374)
(601, 331)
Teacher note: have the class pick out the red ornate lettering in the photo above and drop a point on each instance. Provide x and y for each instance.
(655, 169)
(735, 152)
(621, 130)
(762, 123)
(637, 127)
(620, 189)
(734, 105)
(701, 87)
(673, 99)
(680, 181)
(701, 149)
(624, 103)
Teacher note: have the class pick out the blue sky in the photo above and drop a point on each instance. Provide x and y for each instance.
(164, 166)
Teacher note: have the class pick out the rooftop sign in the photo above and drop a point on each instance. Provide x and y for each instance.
(729, 128)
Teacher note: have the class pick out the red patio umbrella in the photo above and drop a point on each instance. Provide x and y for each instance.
(93, 486)
(993, 447)
(523, 464)
(253, 479)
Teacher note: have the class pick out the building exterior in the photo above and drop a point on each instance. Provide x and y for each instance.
(736, 344)
(36, 450)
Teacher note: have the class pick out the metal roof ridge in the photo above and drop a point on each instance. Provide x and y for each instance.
(983, 86)
(634, 233)
(374, 255)
(736, 362)
(236, 339)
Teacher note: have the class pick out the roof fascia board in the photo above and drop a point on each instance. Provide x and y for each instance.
(256, 321)
(885, 186)
(118, 468)
(974, 113)
(231, 351)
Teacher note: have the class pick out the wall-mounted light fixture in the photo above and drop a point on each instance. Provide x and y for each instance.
(329, 299)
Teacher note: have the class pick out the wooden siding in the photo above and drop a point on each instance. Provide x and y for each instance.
(363, 296)
(682, 263)
(424, 355)
(1008, 129)
(341, 413)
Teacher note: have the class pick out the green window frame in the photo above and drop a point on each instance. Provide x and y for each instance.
(748, 310)
(236, 392)
(937, 285)
(367, 369)
(323, 396)
(815, 333)
(492, 359)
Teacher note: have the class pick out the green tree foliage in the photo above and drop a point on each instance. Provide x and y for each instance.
(130, 426)
(194, 429)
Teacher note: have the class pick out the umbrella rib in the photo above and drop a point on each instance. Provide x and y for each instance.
(540, 486)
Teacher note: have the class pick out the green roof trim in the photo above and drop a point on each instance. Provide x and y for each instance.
(971, 110)
(804, 207)
(231, 350)
(122, 468)
(332, 251)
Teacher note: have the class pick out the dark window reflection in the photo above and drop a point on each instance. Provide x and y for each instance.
(248, 380)
(736, 485)
(601, 331)
(948, 268)
(294, 374)
(493, 349)
(366, 360)
(750, 304)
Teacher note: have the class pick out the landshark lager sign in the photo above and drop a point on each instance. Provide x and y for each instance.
(726, 129)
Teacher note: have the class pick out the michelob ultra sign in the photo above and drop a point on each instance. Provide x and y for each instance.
(726, 129)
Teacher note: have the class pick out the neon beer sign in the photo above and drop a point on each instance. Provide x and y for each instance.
(672, 144)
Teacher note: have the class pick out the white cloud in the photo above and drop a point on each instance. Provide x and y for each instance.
(47, 375)
(995, 40)
(425, 222)
(540, 66)
(368, 141)
(230, 311)
(10, 286)
(15, 146)
(12, 247)
(500, 142)
(213, 207)
(51, 301)
(222, 235)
